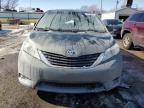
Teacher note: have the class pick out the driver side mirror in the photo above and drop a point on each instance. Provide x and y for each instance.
(35, 24)
(107, 26)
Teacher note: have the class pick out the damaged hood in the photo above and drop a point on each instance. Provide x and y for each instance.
(61, 42)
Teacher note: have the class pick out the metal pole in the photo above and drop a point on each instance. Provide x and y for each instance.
(30, 3)
(101, 6)
(0, 5)
(117, 2)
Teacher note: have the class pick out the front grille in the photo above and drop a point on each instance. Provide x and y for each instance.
(81, 61)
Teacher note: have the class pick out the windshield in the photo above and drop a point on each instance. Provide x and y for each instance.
(70, 21)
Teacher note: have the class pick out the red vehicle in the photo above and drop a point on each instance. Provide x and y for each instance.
(133, 31)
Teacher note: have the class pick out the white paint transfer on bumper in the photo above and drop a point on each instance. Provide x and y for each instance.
(35, 71)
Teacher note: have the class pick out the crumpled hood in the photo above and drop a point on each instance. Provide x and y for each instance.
(61, 42)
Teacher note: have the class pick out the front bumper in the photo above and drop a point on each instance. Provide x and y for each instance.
(36, 74)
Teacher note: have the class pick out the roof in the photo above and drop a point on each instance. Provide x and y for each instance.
(110, 20)
(122, 9)
(127, 8)
(140, 12)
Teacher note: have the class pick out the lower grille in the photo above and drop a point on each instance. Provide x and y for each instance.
(81, 61)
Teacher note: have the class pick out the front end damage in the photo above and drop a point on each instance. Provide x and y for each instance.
(37, 71)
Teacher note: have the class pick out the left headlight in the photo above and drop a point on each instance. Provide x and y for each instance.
(29, 49)
(109, 53)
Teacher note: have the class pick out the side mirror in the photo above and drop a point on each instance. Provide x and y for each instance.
(107, 26)
(35, 24)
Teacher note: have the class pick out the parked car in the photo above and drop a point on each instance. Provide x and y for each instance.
(9, 10)
(133, 31)
(38, 10)
(114, 26)
(31, 10)
(70, 51)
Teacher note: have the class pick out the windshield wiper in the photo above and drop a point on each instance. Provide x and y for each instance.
(41, 29)
(64, 30)
(48, 29)
(99, 31)
(72, 30)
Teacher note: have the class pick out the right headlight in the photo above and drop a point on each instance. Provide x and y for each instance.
(34, 52)
(29, 49)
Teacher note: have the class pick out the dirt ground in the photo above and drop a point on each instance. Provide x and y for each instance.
(14, 95)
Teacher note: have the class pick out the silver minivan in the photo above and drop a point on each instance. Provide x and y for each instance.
(70, 51)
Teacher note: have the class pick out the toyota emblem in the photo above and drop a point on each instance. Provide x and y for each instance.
(70, 52)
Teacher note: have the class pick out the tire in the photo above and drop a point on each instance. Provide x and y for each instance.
(127, 41)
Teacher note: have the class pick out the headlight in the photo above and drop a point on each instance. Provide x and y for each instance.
(29, 49)
(34, 52)
(44, 59)
(110, 52)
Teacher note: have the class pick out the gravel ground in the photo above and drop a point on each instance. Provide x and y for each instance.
(14, 95)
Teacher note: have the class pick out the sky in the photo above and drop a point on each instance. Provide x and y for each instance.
(73, 4)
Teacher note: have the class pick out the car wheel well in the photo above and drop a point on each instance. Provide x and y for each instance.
(125, 32)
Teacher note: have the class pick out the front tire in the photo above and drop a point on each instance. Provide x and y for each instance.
(127, 41)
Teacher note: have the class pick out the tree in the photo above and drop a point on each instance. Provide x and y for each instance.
(9, 4)
(85, 8)
(92, 8)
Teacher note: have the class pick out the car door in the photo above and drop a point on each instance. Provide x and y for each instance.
(130, 22)
(139, 30)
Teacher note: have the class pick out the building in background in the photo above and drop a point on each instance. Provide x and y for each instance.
(30, 10)
(121, 14)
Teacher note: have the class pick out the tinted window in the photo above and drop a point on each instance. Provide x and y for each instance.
(142, 18)
(67, 21)
(136, 17)
(112, 22)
